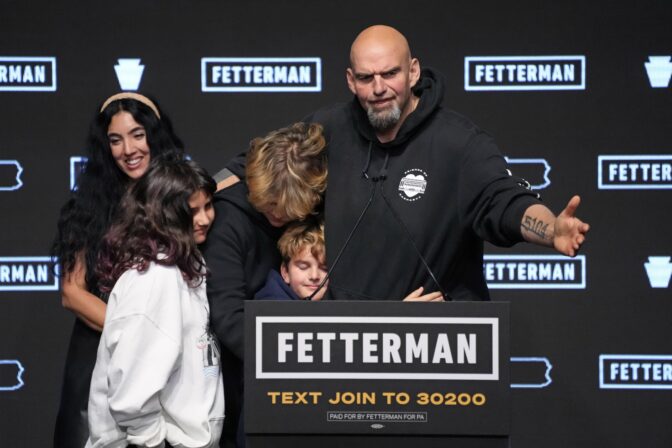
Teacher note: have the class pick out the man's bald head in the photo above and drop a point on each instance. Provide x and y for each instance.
(382, 75)
(381, 39)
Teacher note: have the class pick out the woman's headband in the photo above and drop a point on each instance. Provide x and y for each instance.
(134, 96)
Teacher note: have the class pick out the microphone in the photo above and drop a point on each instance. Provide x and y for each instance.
(379, 181)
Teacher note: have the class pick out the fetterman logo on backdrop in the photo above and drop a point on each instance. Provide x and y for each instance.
(27, 74)
(530, 372)
(429, 348)
(129, 73)
(261, 74)
(534, 271)
(659, 71)
(535, 171)
(634, 172)
(77, 165)
(28, 274)
(635, 371)
(659, 271)
(525, 73)
(11, 375)
(10, 175)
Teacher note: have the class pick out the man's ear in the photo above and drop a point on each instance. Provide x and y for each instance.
(350, 76)
(284, 273)
(414, 72)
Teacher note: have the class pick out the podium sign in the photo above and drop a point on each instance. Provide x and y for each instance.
(338, 367)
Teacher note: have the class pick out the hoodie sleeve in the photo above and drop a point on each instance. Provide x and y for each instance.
(224, 254)
(491, 200)
(236, 165)
(143, 340)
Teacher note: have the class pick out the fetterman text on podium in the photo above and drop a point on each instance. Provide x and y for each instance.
(372, 374)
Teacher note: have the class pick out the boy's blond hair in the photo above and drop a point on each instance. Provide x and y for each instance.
(287, 170)
(300, 235)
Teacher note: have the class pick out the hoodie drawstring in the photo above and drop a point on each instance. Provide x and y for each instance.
(382, 174)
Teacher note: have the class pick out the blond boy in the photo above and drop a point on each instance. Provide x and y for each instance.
(303, 265)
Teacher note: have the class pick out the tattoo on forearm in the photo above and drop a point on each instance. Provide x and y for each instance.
(536, 226)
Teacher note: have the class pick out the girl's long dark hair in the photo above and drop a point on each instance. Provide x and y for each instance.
(88, 213)
(155, 223)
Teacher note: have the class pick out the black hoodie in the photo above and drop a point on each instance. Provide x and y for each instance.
(240, 250)
(441, 185)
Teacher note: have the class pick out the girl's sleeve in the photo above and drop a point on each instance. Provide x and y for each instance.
(144, 342)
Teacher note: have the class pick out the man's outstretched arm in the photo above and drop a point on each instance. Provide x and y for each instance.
(566, 233)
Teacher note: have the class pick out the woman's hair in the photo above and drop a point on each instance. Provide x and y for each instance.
(302, 234)
(287, 170)
(88, 213)
(155, 223)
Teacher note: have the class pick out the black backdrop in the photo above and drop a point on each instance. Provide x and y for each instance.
(618, 113)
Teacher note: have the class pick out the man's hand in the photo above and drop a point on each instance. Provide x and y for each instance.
(569, 231)
(565, 233)
(416, 296)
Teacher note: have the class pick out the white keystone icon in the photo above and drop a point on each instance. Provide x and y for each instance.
(659, 270)
(129, 73)
(659, 70)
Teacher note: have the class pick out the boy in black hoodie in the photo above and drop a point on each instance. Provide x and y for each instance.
(285, 179)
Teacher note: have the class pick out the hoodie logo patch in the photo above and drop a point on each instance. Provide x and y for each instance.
(413, 185)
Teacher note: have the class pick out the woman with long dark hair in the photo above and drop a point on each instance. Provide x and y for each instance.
(126, 133)
(157, 378)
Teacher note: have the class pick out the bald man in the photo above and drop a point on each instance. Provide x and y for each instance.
(414, 189)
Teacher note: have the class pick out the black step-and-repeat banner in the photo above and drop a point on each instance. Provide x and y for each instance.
(577, 94)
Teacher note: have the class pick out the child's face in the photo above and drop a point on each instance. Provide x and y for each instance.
(275, 216)
(304, 273)
(203, 214)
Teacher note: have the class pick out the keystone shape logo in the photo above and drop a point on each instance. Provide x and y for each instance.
(129, 73)
(659, 270)
(659, 71)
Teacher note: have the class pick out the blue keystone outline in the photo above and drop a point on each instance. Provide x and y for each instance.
(19, 375)
(544, 162)
(19, 171)
(547, 375)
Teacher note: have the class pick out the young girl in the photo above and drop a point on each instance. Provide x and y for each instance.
(157, 380)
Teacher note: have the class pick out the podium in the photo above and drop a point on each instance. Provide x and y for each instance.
(370, 374)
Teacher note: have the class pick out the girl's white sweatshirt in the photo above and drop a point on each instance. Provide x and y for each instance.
(157, 375)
